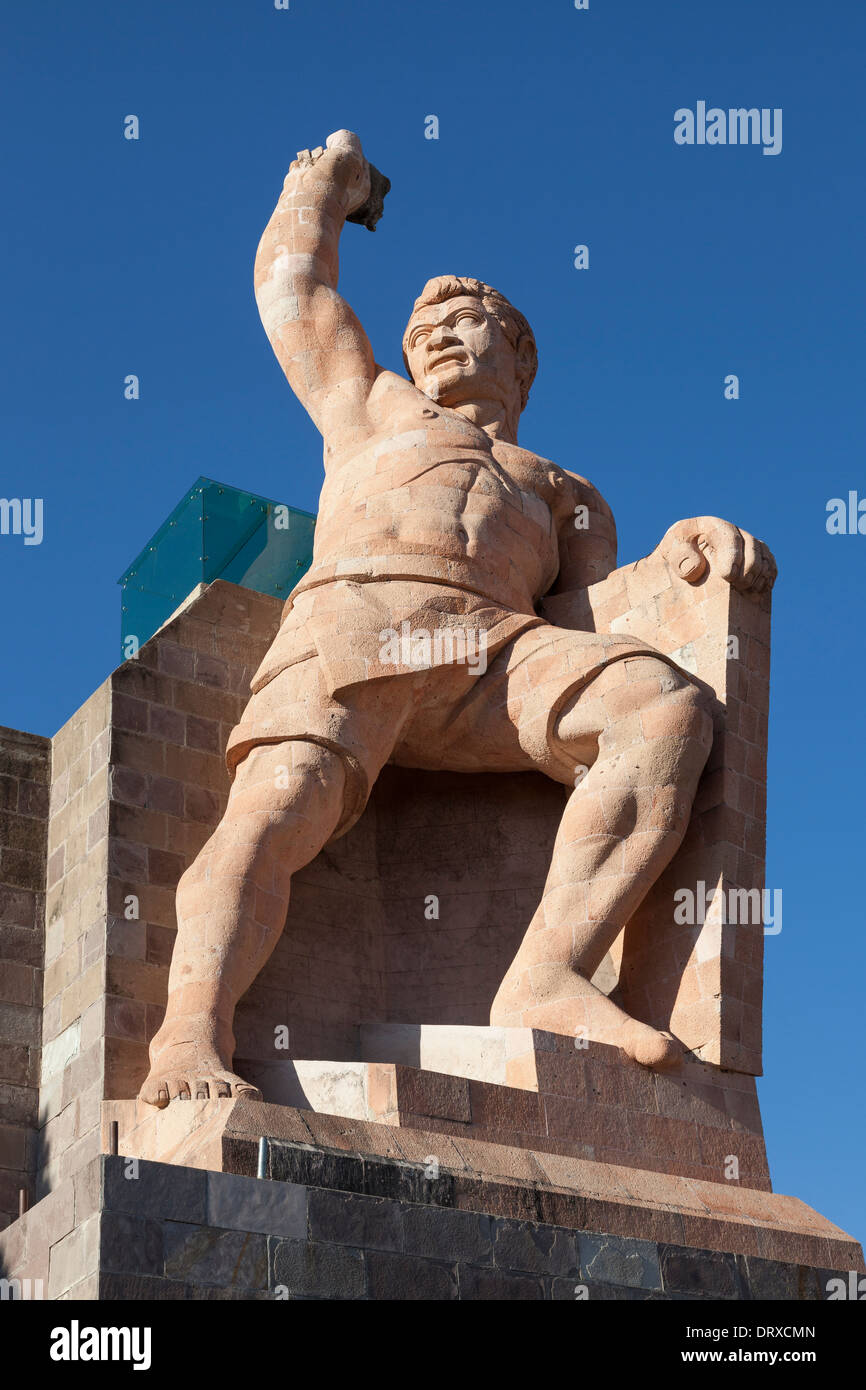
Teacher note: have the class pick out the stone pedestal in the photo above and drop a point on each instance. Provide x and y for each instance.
(572, 1175)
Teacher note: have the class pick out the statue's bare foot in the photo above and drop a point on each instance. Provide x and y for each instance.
(187, 1068)
(560, 1001)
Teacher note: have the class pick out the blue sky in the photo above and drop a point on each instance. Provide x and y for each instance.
(556, 128)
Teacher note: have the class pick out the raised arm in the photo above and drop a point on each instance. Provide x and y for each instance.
(316, 336)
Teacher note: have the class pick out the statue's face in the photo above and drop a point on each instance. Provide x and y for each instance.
(458, 352)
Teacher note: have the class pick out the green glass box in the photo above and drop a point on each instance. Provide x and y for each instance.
(215, 532)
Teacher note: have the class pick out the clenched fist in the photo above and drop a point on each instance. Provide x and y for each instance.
(340, 164)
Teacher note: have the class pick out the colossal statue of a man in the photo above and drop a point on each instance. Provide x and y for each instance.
(433, 521)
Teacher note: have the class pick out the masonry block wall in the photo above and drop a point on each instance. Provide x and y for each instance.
(461, 863)
(75, 931)
(25, 763)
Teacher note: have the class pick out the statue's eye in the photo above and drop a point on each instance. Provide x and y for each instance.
(467, 318)
(420, 336)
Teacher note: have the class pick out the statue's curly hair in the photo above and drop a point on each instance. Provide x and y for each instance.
(515, 327)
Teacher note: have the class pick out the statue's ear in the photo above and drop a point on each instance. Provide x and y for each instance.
(527, 361)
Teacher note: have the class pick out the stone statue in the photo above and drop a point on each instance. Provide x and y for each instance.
(415, 638)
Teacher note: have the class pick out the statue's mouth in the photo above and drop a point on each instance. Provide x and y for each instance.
(455, 356)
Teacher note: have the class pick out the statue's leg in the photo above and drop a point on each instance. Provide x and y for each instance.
(645, 732)
(304, 764)
(285, 803)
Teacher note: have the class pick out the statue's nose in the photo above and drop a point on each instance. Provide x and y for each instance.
(442, 335)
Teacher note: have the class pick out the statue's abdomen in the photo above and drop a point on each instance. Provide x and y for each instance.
(458, 519)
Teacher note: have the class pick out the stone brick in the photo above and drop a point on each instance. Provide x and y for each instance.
(201, 805)
(448, 1235)
(619, 1293)
(615, 1260)
(528, 1247)
(700, 1272)
(136, 1288)
(18, 983)
(125, 1018)
(164, 867)
(315, 1167)
(19, 1065)
(19, 1024)
(8, 793)
(130, 1244)
(127, 861)
(129, 713)
(87, 1191)
(400, 1278)
(250, 1204)
(490, 1284)
(167, 795)
(13, 1146)
(789, 1283)
(430, 1093)
(167, 724)
(26, 871)
(172, 1192)
(33, 799)
(345, 1219)
(206, 1255)
(318, 1271)
(135, 980)
(203, 734)
(73, 1257)
(17, 908)
(159, 944)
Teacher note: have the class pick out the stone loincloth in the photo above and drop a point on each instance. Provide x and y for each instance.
(324, 680)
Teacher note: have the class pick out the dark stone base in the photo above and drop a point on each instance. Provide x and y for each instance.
(335, 1226)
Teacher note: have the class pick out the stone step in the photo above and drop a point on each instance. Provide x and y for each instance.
(536, 1089)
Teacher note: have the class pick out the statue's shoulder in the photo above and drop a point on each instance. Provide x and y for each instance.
(587, 493)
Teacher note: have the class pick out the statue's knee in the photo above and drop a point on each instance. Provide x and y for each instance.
(691, 710)
(286, 800)
(608, 709)
(679, 725)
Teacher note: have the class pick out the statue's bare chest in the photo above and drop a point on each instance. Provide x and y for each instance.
(438, 450)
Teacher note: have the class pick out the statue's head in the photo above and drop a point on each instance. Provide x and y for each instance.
(466, 343)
